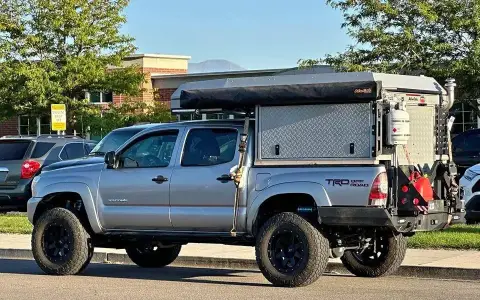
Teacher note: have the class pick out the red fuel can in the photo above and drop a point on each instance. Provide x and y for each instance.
(422, 185)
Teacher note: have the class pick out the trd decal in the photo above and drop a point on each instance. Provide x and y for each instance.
(347, 182)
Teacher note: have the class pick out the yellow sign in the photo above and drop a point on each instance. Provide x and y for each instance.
(59, 117)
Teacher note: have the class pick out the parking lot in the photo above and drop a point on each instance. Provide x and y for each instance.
(22, 279)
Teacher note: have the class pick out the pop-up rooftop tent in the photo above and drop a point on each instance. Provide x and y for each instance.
(331, 118)
(246, 93)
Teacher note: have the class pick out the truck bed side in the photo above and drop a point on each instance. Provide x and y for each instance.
(342, 185)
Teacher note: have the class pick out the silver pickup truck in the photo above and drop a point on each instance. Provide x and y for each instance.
(222, 182)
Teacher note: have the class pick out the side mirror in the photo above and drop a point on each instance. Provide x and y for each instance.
(110, 159)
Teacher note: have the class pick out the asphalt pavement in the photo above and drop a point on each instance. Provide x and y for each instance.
(22, 279)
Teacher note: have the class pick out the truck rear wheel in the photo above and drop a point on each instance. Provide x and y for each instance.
(60, 244)
(291, 252)
(152, 256)
(381, 258)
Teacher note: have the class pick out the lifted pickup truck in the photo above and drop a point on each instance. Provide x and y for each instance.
(333, 165)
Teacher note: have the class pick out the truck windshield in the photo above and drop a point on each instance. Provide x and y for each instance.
(113, 140)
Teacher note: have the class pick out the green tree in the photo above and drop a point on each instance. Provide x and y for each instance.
(434, 38)
(103, 120)
(52, 51)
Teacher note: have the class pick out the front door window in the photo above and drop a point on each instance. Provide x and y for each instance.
(151, 152)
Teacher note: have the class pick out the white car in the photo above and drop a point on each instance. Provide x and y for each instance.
(470, 190)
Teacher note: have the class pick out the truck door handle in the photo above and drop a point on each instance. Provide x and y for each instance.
(160, 179)
(224, 178)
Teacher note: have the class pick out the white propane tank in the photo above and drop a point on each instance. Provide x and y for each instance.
(398, 127)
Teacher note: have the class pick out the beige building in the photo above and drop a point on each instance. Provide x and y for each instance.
(152, 65)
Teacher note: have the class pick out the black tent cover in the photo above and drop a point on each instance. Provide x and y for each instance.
(234, 98)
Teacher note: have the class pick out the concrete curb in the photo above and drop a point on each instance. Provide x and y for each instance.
(250, 264)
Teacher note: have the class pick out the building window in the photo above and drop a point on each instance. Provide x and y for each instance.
(27, 125)
(465, 118)
(100, 97)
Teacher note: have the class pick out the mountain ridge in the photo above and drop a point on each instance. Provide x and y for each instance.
(214, 65)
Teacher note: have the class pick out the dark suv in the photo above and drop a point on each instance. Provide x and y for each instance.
(23, 157)
(466, 149)
(110, 142)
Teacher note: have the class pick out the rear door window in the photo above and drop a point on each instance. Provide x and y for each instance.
(13, 150)
(89, 147)
(209, 147)
(73, 151)
(41, 148)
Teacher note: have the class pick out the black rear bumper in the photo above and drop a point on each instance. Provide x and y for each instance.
(381, 217)
(17, 197)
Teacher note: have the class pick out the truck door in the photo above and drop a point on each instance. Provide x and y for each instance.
(135, 195)
(201, 193)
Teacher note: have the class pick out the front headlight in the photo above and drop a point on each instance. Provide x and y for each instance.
(35, 180)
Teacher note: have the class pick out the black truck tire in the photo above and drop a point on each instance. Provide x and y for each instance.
(60, 243)
(153, 257)
(390, 253)
(291, 252)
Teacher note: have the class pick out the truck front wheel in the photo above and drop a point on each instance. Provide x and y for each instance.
(382, 257)
(60, 244)
(153, 256)
(290, 251)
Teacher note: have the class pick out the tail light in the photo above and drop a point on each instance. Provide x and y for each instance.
(379, 191)
(29, 169)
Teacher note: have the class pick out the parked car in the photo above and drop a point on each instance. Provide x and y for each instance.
(470, 188)
(466, 150)
(110, 142)
(314, 175)
(21, 158)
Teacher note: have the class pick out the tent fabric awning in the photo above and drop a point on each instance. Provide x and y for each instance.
(293, 94)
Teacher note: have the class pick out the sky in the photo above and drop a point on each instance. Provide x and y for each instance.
(255, 34)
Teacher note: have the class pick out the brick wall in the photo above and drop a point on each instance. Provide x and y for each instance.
(9, 127)
(163, 95)
(165, 71)
(149, 95)
(117, 99)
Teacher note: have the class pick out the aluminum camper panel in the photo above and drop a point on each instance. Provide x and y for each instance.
(315, 132)
(420, 149)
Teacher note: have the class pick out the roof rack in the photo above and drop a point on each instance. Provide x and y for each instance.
(17, 136)
(208, 111)
(58, 136)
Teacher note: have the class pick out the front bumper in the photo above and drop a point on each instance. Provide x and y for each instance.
(380, 217)
(31, 207)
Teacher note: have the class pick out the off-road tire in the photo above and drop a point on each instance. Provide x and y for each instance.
(397, 247)
(89, 259)
(81, 247)
(316, 250)
(158, 258)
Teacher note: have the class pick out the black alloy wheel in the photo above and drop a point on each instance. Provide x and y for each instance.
(375, 254)
(287, 251)
(290, 251)
(153, 256)
(57, 243)
(382, 257)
